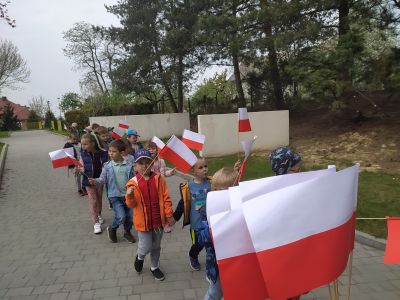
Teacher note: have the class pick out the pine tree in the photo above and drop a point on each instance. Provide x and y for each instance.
(8, 120)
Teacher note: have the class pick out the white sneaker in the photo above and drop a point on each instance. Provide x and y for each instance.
(101, 220)
(97, 228)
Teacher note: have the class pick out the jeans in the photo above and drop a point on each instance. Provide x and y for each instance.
(196, 247)
(122, 214)
(214, 291)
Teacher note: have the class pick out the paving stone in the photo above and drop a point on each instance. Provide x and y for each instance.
(107, 292)
(19, 291)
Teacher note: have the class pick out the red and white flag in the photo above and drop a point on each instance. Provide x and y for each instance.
(123, 124)
(293, 239)
(244, 122)
(63, 158)
(247, 146)
(392, 252)
(179, 154)
(160, 144)
(193, 140)
(118, 133)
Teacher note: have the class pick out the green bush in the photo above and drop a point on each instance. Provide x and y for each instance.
(78, 116)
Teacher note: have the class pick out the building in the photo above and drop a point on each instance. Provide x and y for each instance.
(22, 112)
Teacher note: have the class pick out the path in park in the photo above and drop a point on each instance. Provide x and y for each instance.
(48, 249)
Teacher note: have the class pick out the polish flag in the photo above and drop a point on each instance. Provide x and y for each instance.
(193, 140)
(392, 252)
(63, 158)
(118, 133)
(179, 154)
(160, 144)
(123, 124)
(244, 122)
(247, 145)
(290, 240)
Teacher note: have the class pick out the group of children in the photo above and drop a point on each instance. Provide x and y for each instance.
(138, 194)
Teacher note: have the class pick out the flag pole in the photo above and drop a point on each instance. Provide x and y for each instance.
(151, 163)
(336, 287)
(331, 296)
(370, 218)
(350, 274)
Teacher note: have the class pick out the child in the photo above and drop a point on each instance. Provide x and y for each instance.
(127, 156)
(285, 161)
(132, 137)
(222, 179)
(92, 159)
(194, 194)
(105, 136)
(115, 175)
(147, 193)
(159, 165)
(73, 142)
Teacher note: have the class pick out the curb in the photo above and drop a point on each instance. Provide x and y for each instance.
(369, 240)
(56, 133)
(3, 156)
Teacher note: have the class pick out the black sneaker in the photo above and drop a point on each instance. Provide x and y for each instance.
(138, 264)
(194, 263)
(158, 275)
(129, 237)
(112, 234)
(110, 207)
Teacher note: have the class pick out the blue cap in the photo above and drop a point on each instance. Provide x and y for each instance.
(131, 132)
(142, 153)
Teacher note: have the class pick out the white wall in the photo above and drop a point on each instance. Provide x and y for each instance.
(160, 125)
(222, 138)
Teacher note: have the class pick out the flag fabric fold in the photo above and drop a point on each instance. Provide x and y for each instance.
(63, 158)
(193, 140)
(247, 146)
(123, 124)
(176, 152)
(160, 144)
(118, 133)
(392, 251)
(289, 234)
(244, 122)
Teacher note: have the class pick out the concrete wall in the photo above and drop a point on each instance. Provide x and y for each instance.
(221, 131)
(160, 125)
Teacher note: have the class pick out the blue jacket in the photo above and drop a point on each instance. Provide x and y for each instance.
(204, 239)
(86, 158)
(107, 177)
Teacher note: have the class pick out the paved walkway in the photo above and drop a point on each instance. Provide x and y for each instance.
(48, 250)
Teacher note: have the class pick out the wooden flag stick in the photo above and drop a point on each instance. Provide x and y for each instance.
(350, 271)
(331, 295)
(336, 287)
(370, 218)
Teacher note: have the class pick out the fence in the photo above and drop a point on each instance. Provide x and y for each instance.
(221, 131)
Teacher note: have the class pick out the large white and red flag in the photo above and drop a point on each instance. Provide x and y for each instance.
(179, 154)
(296, 237)
(123, 124)
(392, 251)
(247, 146)
(63, 158)
(244, 122)
(118, 133)
(160, 144)
(193, 140)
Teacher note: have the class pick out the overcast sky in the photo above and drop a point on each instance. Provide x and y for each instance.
(38, 36)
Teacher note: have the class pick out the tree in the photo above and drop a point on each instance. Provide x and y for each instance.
(38, 106)
(49, 116)
(70, 101)
(8, 121)
(13, 68)
(93, 50)
(4, 13)
(33, 117)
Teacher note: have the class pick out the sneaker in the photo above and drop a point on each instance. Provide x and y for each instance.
(101, 220)
(97, 228)
(81, 193)
(158, 275)
(112, 234)
(110, 206)
(194, 263)
(84, 192)
(129, 237)
(138, 264)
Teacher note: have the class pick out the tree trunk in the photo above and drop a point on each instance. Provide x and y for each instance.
(238, 81)
(344, 28)
(273, 62)
(180, 83)
(166, 86)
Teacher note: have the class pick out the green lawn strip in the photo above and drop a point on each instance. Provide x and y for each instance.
(4, 134)
(1, 146)
(63, 132)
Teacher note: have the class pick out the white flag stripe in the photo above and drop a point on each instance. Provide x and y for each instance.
(301, 210)
(235, 198)
(243, 115)
(228, 242)
(217, 202)
(194, 136)
(254, 188)
(247, 145)
(119, 131)
(69, 151)
(57, 154)
(180, 148)
(160, 144)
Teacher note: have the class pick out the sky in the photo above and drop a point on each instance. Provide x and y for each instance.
(38, 36)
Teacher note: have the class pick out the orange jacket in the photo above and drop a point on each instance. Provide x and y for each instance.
(136, 201)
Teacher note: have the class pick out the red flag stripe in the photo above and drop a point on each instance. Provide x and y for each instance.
(63, 162)
(392, 252)
(244, 125)
(193, 144)
(181, 164)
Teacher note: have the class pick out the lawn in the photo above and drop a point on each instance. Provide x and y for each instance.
(63, 132)
(4, 134)
(377, 194)
(1, 146)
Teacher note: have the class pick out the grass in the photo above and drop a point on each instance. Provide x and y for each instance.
(4, 134)
(63, 132)
(1, 147)
(378, 193)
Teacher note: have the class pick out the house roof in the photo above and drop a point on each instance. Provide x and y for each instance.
(22, 112)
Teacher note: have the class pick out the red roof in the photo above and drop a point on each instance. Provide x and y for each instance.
(22, 112)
